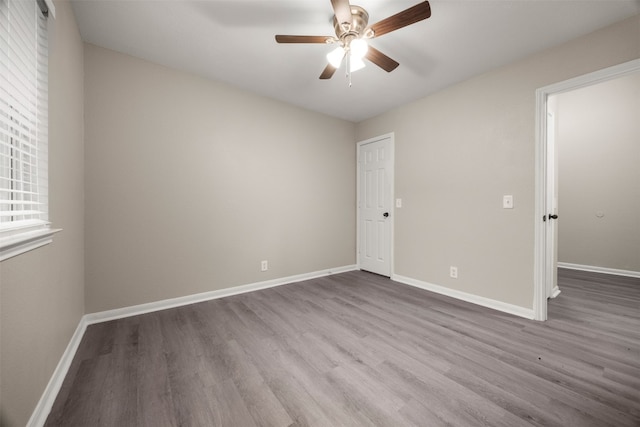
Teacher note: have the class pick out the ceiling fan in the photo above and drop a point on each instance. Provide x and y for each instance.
(352, 32)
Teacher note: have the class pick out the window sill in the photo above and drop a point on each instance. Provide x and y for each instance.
(24, 242)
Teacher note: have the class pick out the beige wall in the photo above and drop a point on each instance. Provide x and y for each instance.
(42, 291)
(191, 183)
(599, 160)
(458, 151)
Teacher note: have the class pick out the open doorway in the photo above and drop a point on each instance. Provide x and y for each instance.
(598, 150)
(547, 183)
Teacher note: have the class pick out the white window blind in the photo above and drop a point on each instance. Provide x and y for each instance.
(23, 118)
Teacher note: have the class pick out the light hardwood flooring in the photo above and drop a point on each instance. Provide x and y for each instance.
(356, 349)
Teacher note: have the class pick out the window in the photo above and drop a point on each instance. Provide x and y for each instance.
(23, 127)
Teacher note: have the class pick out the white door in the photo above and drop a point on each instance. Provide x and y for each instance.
(375, 185)
(551, 266)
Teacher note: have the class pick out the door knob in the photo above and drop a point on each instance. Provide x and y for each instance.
(386, 214)
(553, 216)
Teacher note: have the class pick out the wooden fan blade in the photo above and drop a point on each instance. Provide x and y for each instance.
(407, 17)
(328, 71)
(381, 60)
(302, 39)
(342, 10)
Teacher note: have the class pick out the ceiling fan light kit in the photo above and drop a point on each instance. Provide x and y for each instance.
(335, 56)
(356, 64)
(352, 32)
(356, 51)
(359, 48)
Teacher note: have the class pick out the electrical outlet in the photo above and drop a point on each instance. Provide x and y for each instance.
(453, 272)
(264, 265)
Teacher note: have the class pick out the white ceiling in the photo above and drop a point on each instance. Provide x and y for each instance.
(233, 41)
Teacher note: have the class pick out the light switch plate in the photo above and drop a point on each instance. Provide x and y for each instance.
(398, 203)
(507, 202)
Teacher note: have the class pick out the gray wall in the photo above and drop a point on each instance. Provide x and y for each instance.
(458, 151)
(598, 130)
(191, 183)
(42, 291)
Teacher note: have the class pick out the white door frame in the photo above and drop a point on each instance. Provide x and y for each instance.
(391, 137)
(540, 275)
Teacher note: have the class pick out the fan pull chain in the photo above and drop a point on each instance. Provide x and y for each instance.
(348, 67)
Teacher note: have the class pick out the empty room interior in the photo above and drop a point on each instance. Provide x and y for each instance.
(464, 251)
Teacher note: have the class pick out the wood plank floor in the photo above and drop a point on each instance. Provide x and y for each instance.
(356, 349)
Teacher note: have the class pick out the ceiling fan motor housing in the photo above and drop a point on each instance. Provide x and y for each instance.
(359, 22)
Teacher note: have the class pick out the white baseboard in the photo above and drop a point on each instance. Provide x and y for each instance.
(555, 292)
(134, 310)
(516, 310)
(42, 409)
(594, 269)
